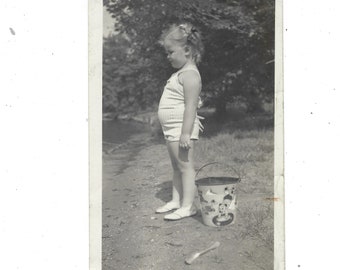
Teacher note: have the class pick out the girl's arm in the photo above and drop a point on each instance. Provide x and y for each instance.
(192, 88)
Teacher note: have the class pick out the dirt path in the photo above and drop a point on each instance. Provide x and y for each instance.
(136, 180)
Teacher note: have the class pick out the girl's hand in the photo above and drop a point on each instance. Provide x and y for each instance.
(184, 141)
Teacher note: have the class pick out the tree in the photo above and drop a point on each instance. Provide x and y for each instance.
(239, 41)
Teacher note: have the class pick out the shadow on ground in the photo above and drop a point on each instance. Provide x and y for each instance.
(164, 192)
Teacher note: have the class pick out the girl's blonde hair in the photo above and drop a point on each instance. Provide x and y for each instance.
(186, 35)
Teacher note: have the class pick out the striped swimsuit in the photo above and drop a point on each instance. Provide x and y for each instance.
(171, 108)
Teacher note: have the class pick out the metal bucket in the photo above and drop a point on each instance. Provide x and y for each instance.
(217, 196)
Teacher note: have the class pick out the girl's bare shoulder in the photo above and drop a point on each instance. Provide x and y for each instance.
(189, 75)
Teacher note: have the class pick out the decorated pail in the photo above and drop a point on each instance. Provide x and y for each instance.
(217, 196)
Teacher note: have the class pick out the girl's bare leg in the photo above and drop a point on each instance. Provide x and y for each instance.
(175, 202)
(176, 179)
(184, 161)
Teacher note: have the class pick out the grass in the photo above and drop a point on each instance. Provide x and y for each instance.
(245, 152)
(256, 222)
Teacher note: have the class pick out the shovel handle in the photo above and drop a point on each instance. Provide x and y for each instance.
(213, 246)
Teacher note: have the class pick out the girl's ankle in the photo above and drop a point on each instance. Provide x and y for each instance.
(188, 206)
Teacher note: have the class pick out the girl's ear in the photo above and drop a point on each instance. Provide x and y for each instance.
(187, 50)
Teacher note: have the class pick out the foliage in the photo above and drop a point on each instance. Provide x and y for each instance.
(125, 79)
(239, 41)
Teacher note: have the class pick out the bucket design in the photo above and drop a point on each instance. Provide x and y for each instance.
(218, 200)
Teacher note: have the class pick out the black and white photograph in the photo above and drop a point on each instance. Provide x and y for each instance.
(188, 125)
(140, 134)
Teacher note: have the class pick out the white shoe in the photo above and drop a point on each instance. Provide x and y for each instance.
(181, 213)
(167, 207)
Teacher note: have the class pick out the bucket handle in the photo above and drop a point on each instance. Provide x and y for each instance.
(210, 163)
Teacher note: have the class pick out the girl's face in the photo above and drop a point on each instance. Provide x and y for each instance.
(177, 55)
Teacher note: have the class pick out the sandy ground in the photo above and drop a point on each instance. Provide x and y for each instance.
(136, 180)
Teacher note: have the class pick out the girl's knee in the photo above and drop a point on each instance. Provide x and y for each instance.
(186, 167)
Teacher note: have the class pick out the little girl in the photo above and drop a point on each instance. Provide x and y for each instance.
(177, 114)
